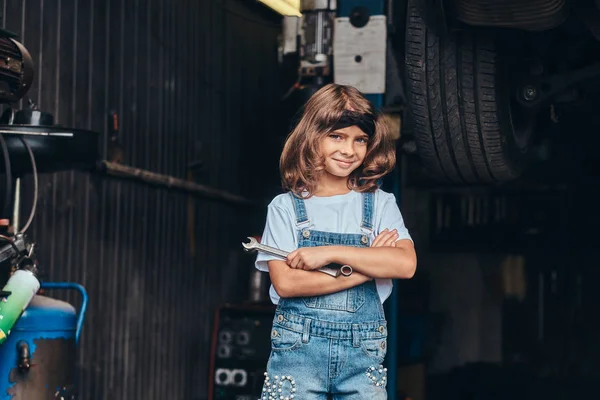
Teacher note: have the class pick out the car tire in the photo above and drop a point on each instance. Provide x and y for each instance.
(465, 128)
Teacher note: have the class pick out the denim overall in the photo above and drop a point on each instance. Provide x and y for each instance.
(332, 344)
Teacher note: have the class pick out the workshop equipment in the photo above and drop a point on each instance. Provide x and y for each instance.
(38, 334)
(37, 361)
(240, 349)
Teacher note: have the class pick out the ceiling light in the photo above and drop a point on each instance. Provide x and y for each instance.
(284, 7)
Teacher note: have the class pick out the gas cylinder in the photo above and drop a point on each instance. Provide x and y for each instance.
(38, 359)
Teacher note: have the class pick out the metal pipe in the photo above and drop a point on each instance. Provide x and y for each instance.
(394, 310)
(320, 15)
(169, 182)
(17, 205)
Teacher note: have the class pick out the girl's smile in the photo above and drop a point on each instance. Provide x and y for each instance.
(344, 164)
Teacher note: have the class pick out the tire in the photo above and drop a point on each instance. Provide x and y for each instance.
(464, 127)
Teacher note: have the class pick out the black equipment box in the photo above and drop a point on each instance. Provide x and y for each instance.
(240, 349)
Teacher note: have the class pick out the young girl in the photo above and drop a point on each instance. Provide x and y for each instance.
(329, 333)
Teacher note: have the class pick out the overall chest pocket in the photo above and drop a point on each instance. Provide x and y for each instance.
(347, 300)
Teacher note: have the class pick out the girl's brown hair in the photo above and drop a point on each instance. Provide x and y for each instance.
(301, 162)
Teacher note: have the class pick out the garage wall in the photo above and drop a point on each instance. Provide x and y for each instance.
(468, 307)
(192, 80)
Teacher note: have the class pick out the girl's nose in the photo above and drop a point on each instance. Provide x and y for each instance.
(348, 148)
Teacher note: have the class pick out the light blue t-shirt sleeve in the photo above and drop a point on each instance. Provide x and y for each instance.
(390, 216)
(279, 232)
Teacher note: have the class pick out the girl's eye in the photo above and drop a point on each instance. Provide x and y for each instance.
(362, 140)
(335, 137)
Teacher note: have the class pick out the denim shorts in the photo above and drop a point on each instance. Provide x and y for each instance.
(344, 359)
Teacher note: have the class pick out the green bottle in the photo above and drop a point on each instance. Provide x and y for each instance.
(22, 285)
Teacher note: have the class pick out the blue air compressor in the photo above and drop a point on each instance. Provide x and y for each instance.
(38, 334)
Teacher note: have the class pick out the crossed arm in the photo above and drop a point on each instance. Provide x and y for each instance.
(386, 258)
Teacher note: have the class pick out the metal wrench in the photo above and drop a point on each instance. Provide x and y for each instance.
(345, 270)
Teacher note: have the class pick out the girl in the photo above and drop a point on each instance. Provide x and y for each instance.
(329, 333)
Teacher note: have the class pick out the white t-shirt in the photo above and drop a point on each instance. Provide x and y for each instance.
(339, 214)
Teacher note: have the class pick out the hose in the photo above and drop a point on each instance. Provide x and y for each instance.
(35, 186)
(8, 175)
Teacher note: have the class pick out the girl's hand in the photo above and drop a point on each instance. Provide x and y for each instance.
(309, 258)
(386, 238)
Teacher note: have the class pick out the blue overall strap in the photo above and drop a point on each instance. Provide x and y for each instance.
(299, 210)
(367, 217)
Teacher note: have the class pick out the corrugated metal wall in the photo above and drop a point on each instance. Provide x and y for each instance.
(191, 79)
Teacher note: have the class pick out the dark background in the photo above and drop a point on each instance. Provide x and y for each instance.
(191, 81)
(196, 83)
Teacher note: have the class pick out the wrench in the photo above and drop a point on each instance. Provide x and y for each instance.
(345, 270)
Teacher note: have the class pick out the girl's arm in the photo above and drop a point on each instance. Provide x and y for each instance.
(290, 282)
(397, 262)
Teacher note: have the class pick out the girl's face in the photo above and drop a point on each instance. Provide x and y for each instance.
(344, 150)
